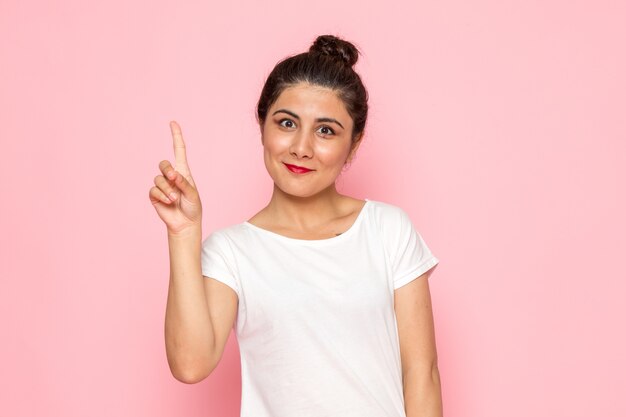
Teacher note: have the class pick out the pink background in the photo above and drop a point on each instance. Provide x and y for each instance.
(499, 126)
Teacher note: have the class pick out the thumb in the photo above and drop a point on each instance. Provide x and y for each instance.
(184, 186)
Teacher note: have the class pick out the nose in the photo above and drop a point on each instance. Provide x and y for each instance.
(301, 146)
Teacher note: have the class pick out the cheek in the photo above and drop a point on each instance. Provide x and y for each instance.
(332, 155)
(274, 150)
(276, 143)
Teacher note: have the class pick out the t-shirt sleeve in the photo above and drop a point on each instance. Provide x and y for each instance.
(411, 257)
(217, 262)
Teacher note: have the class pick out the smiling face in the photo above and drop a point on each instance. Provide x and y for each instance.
(307, 126)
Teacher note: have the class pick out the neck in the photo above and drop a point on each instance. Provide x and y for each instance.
(305, 212)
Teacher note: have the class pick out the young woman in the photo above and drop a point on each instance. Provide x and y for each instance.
(328, 294)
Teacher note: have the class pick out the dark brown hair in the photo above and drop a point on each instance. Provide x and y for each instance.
(328, 63)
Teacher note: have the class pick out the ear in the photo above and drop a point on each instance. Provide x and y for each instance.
(355, 145)
(261, 130)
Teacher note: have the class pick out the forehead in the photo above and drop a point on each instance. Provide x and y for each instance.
(314, 100)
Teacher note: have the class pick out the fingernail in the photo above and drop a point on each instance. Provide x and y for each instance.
(173, 196)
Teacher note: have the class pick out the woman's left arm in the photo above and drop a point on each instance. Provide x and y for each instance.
(416, 330)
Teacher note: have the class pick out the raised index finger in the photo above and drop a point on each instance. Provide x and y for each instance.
(179, 148)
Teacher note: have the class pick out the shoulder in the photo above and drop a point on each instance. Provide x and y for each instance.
(394, 225)
(224, 236)
(228, 231)
(389, 216)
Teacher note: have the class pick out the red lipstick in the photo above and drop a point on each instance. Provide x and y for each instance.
(297, 169)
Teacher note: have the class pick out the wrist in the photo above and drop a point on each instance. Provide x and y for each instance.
(190, 232)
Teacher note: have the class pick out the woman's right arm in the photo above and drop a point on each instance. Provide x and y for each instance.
(189, 335)
(200, 312)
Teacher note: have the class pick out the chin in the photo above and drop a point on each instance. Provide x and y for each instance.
(302, 193)
(296, 190)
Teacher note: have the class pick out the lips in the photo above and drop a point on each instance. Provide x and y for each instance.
(297, 169)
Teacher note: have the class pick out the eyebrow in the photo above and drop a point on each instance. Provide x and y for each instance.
(320, 119)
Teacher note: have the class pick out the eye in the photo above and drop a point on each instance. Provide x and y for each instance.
(326, 130)
(288, 123)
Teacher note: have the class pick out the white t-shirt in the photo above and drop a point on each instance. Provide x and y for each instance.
(316, 324)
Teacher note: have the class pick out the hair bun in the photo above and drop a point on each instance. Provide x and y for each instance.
(337, 48)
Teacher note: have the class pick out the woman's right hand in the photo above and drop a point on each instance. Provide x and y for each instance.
(181, 210)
